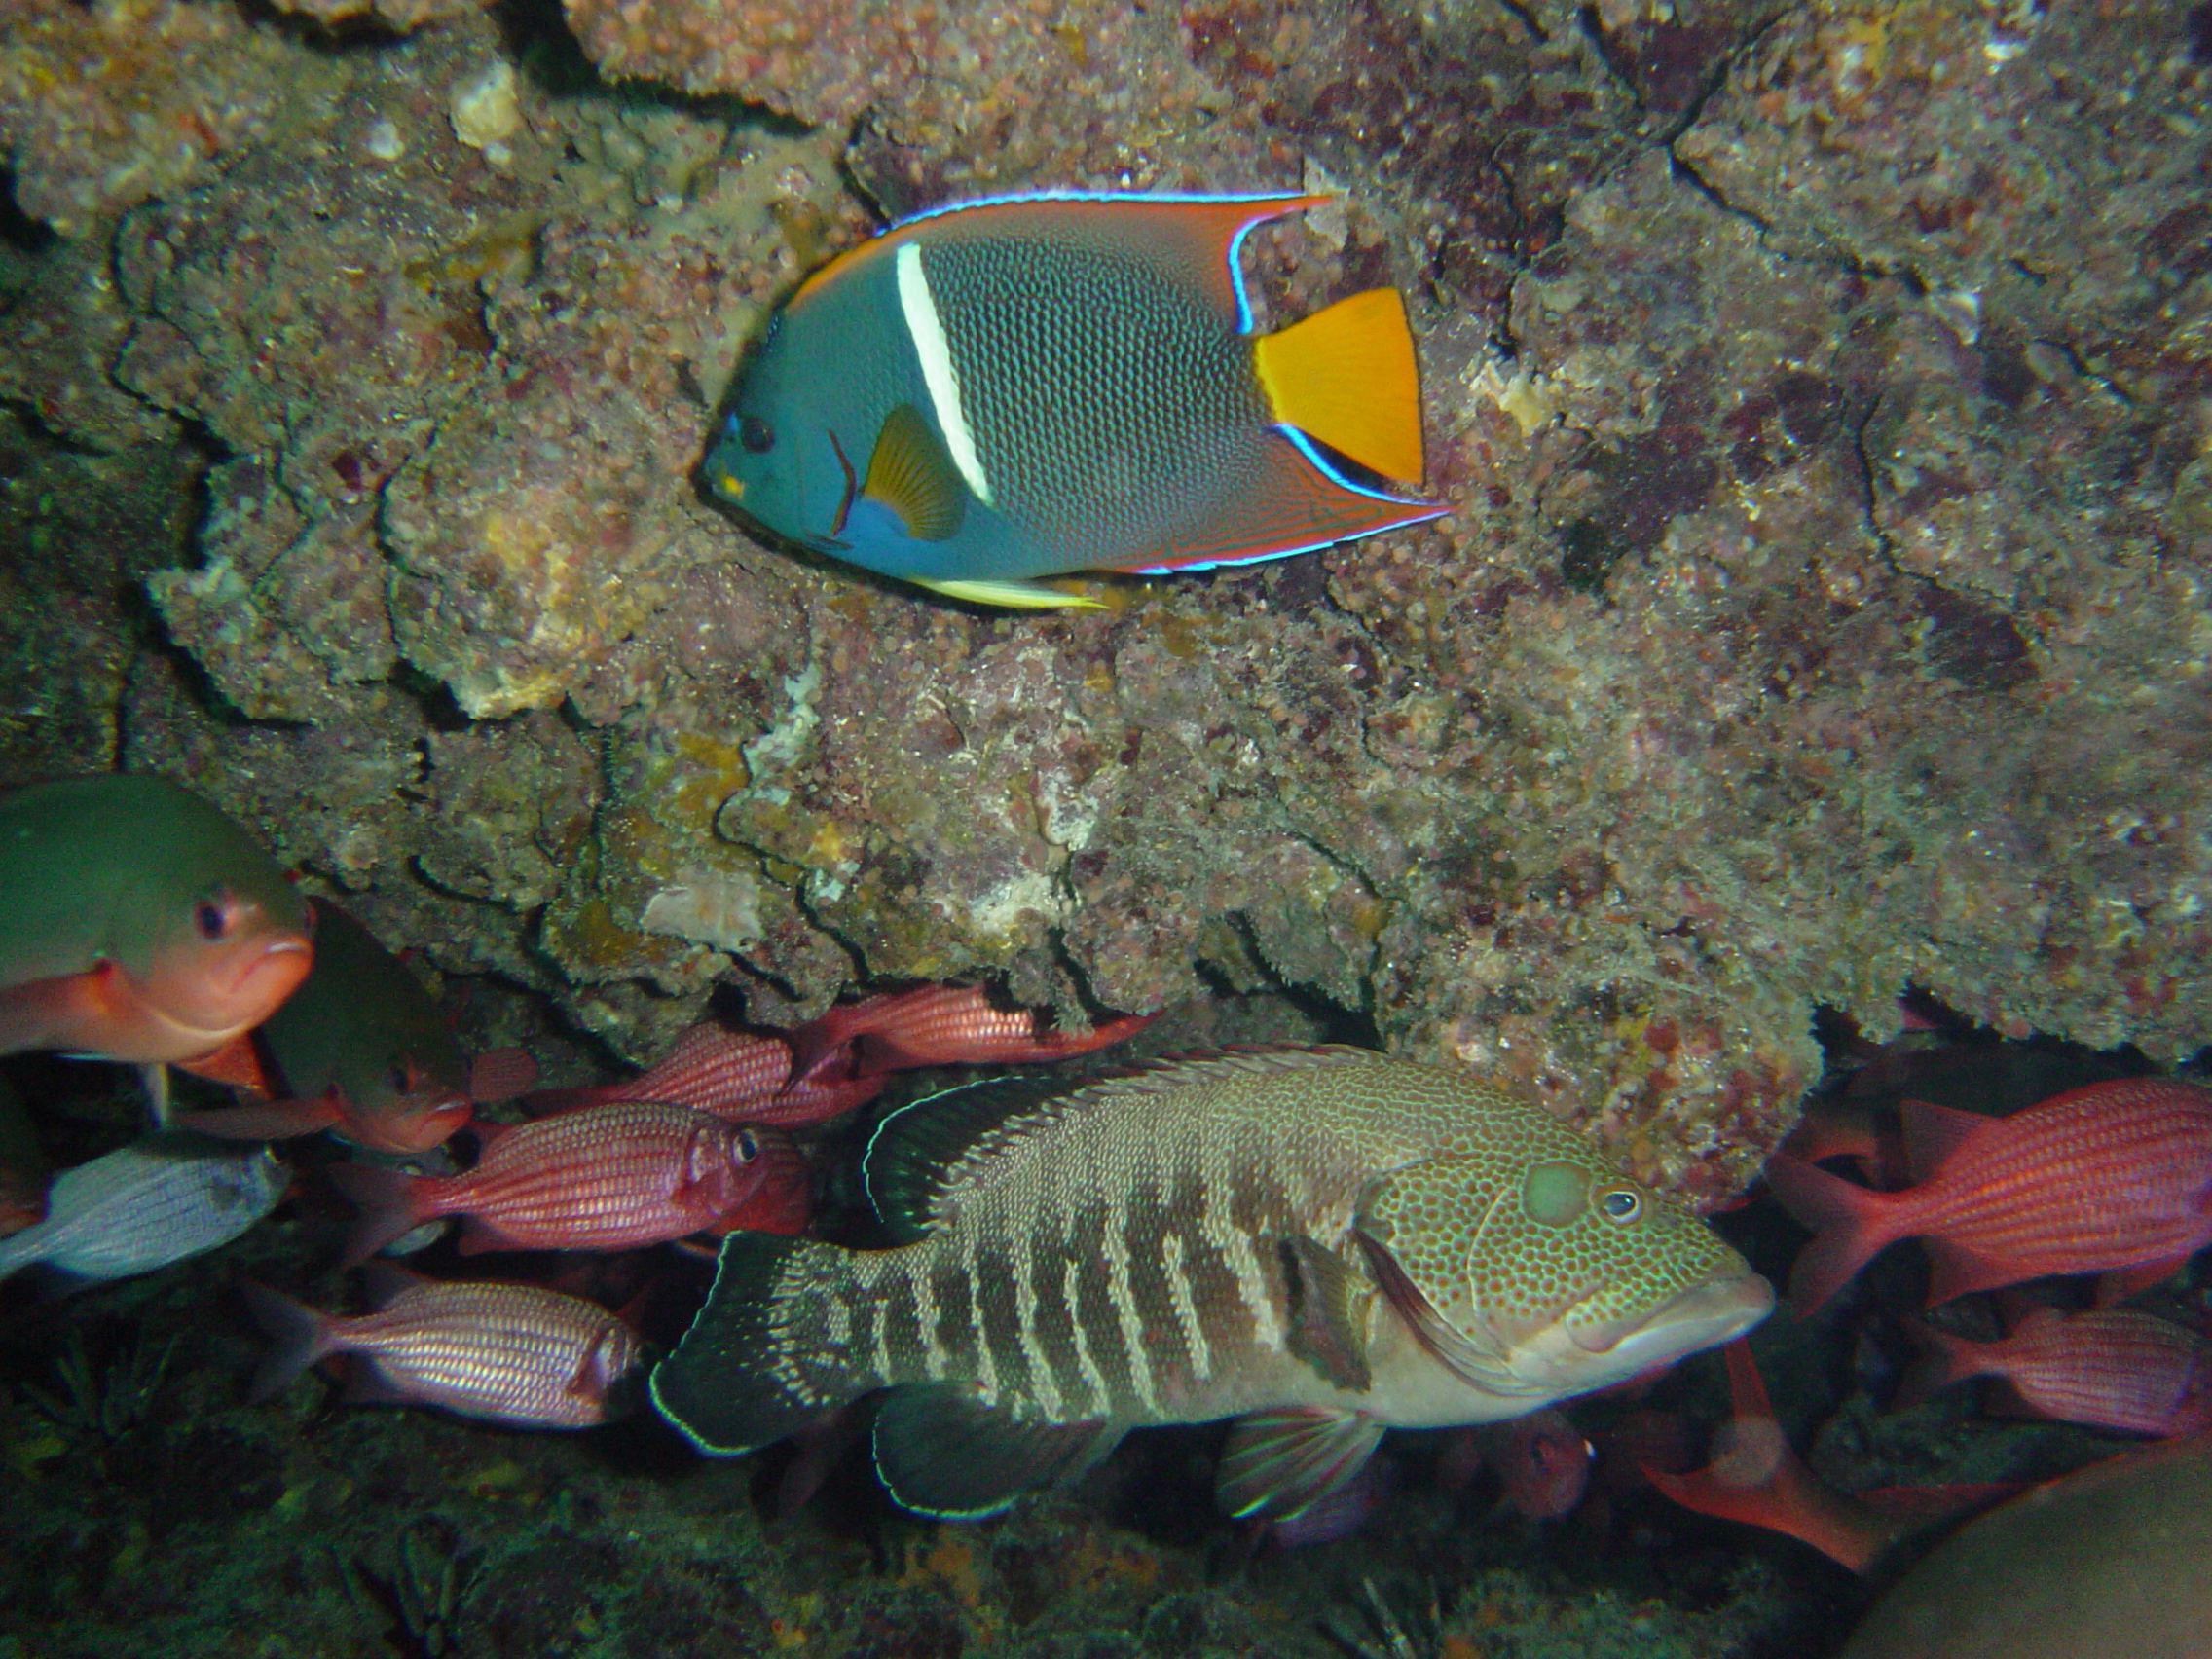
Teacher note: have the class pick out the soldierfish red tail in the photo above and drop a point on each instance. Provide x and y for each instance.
(1849, 1226)
(1755, 1478)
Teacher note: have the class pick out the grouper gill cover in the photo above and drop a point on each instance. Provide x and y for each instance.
(1322, 1243)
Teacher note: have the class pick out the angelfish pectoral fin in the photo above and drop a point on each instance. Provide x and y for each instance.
(944, 1452)
(913, 473)
(1280, 1462)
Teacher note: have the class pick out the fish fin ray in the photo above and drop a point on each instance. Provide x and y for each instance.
(758, 1362)
(1010, 595)
(1278, 1464)
(2117, 1285)
(1957, 1270)
(1449, 1347)
(1347, 377)
(1291, 504)
(912, 472)
(298, 1336)
(1190, 240)
(1849, 1226)
(941, 1451)
(912, 1169)
(1935, 1134)
(1322, 1287)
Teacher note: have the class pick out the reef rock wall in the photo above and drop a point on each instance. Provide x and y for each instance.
(1823, 395)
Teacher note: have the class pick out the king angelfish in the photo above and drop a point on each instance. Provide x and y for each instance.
(1320, 1244)
(1007, 389)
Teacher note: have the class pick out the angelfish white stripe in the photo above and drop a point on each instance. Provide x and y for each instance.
(927, 332)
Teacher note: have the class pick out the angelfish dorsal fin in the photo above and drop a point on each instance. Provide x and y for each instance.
(913, 473)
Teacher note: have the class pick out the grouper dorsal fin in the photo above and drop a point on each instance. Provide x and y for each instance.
(912, 1156)
(924, 1155)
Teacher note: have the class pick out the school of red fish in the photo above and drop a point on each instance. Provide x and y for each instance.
(197, 966)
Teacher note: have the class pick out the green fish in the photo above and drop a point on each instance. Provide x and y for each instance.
(1026, 385)
(138, 923)
(1322, 1243)
(359, 1048)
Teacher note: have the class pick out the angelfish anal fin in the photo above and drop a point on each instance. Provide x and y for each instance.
(1280, 1462)
(1322, 1287)
(941, 1451)
(1009, 595)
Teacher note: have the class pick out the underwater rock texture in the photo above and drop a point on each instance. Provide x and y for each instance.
(1821, 401)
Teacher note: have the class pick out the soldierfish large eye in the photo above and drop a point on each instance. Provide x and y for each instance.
(756, 434)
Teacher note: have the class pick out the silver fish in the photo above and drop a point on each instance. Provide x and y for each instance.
(157, 1200)
(1322, 1243)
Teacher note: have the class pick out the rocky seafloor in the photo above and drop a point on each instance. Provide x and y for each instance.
(1824, 398)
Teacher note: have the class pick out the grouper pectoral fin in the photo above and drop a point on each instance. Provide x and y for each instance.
(1322, 1287)
(1280, 1462)
(941, 1451)
(1010, 595)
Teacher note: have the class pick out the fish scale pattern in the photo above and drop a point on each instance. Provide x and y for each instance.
(609, 1178)
(512, 1353)
(2145, 1158)
(1110, 407)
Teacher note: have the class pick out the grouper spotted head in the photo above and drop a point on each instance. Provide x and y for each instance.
(1319, 1244)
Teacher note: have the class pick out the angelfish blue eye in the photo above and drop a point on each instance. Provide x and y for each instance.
(756, 434)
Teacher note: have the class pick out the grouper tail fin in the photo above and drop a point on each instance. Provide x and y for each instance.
(767, 1354)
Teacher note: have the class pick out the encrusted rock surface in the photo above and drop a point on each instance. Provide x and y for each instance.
(1822, 399)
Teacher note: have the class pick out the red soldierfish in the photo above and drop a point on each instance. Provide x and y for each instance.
(611, 1177)
(2116, 1175)
(1541, 1461)
(944, 1026)
(2110, 1368)
(1756, 1479)
(509, 1354)
(742, 1076)
(138, 923)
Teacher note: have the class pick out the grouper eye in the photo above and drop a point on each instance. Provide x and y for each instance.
(1621, 1205)
(212, 917)
(756, 434)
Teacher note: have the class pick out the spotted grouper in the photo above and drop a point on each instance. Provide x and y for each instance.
(1321, 1244)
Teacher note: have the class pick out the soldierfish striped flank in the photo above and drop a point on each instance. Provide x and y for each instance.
(2117, 1176)
(517, 1354)
(1321, 1244)
(1005, 390)
(611, 1177)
